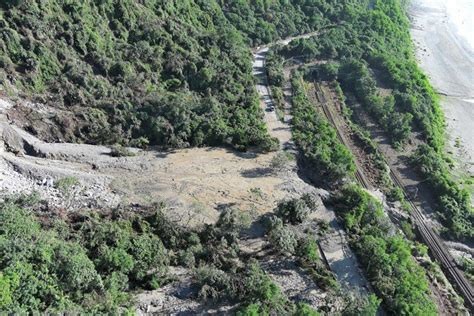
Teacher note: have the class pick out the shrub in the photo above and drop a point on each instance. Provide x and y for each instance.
(77, 271)
(261, 289)
(150, 255)
(356, 78)
(214, 283)
(396, 194)
(280, 161)
(141, 142)
(308, 250)
(293, 211)
(251, 310)
(358, 305)
(283, 239)
(408, 230)
(271, 222)
(12, 3)
(274, 67)
(66, 184)
(387, 260)
(303, 309)
(454, 205)
(296, 211)
(330, 160)
(120, 151)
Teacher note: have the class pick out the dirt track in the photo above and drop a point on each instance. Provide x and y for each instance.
(276, 128)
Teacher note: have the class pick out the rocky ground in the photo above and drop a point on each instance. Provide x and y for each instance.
(199, 179)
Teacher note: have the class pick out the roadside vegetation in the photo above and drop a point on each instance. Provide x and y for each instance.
(276, 79)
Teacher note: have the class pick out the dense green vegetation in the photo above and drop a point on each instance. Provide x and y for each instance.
(264, 21)
(384, 181)
(274, 68)
(385, 256)
(455, 209)
(89, 262)
(329, 159)
(468, 267)
(355, 77)
(276, 78)
(172, 73)
(371, 49)
(92, 262)
(379, 35)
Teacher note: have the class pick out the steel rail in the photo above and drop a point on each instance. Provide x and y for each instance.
(427, 234)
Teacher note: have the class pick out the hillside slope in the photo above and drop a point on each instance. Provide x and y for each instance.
(171, 73)
(159, 72)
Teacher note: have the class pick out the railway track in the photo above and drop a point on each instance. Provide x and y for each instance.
(429, 237)
(327, 112)
(437, 248)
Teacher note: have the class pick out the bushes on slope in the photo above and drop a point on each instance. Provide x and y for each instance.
(356, 78)
(328, 158)
(386, 257)
(454, 203)
(267, 21)
(175, 74)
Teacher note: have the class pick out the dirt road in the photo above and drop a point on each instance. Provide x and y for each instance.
(340, 257)
(276, 128)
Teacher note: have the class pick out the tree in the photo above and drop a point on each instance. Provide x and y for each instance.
(12, 3)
